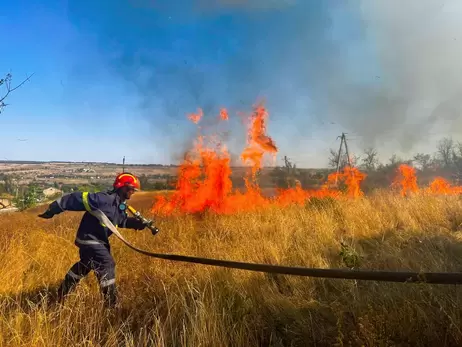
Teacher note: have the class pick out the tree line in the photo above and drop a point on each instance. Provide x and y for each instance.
(446, 161)
(448, 155)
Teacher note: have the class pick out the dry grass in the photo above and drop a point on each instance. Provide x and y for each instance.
(177, 304)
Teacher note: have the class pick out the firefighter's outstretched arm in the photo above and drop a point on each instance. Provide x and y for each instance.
(139, 224)
(77, 201)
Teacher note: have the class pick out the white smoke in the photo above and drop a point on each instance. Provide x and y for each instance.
(418, 47)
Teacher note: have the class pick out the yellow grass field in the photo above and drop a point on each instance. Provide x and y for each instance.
(165, 303)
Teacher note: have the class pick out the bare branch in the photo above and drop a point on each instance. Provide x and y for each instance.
(7, 82)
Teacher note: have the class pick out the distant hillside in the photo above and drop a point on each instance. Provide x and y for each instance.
(78, 163)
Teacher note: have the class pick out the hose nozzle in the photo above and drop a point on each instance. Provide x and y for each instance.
(147, 222)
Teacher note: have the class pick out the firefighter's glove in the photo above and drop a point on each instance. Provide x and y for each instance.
(47, 214)
(133, 223)
(51, 211)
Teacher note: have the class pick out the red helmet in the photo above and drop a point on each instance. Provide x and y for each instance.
(126, 180)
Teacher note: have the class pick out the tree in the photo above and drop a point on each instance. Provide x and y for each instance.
(28, 198)
(285, 176)
(278, 176)
(394, 159)
(370, 160)
(354, 159)
(291, 172)
(446, 151)
(6, 81)
(458, 149)
(333, 159)
(10, 184)
(457, 162)
(423, 160)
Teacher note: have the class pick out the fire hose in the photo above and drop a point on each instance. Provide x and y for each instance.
(369, 275)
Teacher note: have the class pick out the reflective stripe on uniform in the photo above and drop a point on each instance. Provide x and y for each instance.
(85, 201)
(107, 283)
(74, 275)
(89, 242)
(92, 237)
(105, 226)
(87, 205)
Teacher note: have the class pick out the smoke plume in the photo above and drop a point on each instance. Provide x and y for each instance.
(382, 70)
(416, 48)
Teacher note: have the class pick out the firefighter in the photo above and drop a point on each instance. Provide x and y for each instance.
(92, 238)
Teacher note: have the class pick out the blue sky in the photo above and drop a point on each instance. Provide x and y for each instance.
(115, 78)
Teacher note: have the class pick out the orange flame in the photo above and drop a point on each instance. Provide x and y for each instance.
(204, 178)
(204, 182)
(352, 178)
(258, 143)
(224, 114)
(407, 179)
(196, 117)
(439, 186)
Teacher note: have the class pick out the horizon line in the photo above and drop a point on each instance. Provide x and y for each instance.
(126, 165)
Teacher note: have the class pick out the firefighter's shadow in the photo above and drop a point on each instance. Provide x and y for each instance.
(30, 300)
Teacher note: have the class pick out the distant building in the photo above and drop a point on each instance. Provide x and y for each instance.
(51, 192)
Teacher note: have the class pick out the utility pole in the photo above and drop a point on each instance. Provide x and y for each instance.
(346, 149)
(123, 164)
(342, 141)
(339, 156)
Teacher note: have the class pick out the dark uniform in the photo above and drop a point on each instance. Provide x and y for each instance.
(93, 238)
